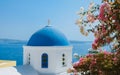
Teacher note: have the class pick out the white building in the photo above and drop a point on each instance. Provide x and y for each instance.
(48, 51)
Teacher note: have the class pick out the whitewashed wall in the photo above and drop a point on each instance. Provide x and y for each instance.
(54, 57)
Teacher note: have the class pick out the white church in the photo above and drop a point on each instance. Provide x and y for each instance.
(48, 51)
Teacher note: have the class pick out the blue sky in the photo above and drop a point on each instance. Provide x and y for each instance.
(19, 19)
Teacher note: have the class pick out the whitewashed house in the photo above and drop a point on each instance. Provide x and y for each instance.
(48, 51)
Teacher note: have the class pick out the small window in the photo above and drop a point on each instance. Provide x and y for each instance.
(44, 60)
(63, 55)
(29, 58)
(63, 60)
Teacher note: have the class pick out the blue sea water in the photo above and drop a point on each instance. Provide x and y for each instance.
(14, 51)
(11, 52)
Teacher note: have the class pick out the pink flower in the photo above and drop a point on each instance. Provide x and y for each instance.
(81, 59)
(103, 29)
(93, 63)
(76, 64)
(96, 40)
(115, 60)
(94, 46)
(90, 17)
(104, 8)
(95, 43)
(106, 52)
(89, 55)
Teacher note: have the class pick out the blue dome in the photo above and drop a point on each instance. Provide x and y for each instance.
(48, 36)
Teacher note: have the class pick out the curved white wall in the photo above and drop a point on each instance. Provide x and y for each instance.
(54, 58)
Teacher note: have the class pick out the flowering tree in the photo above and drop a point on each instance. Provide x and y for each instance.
(104, 21)
(103, 63)
(106, 27)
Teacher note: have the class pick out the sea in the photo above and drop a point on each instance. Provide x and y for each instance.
(13, 49)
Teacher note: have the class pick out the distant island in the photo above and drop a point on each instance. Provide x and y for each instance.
(24, 42)
(75, 41)
(12, 41)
